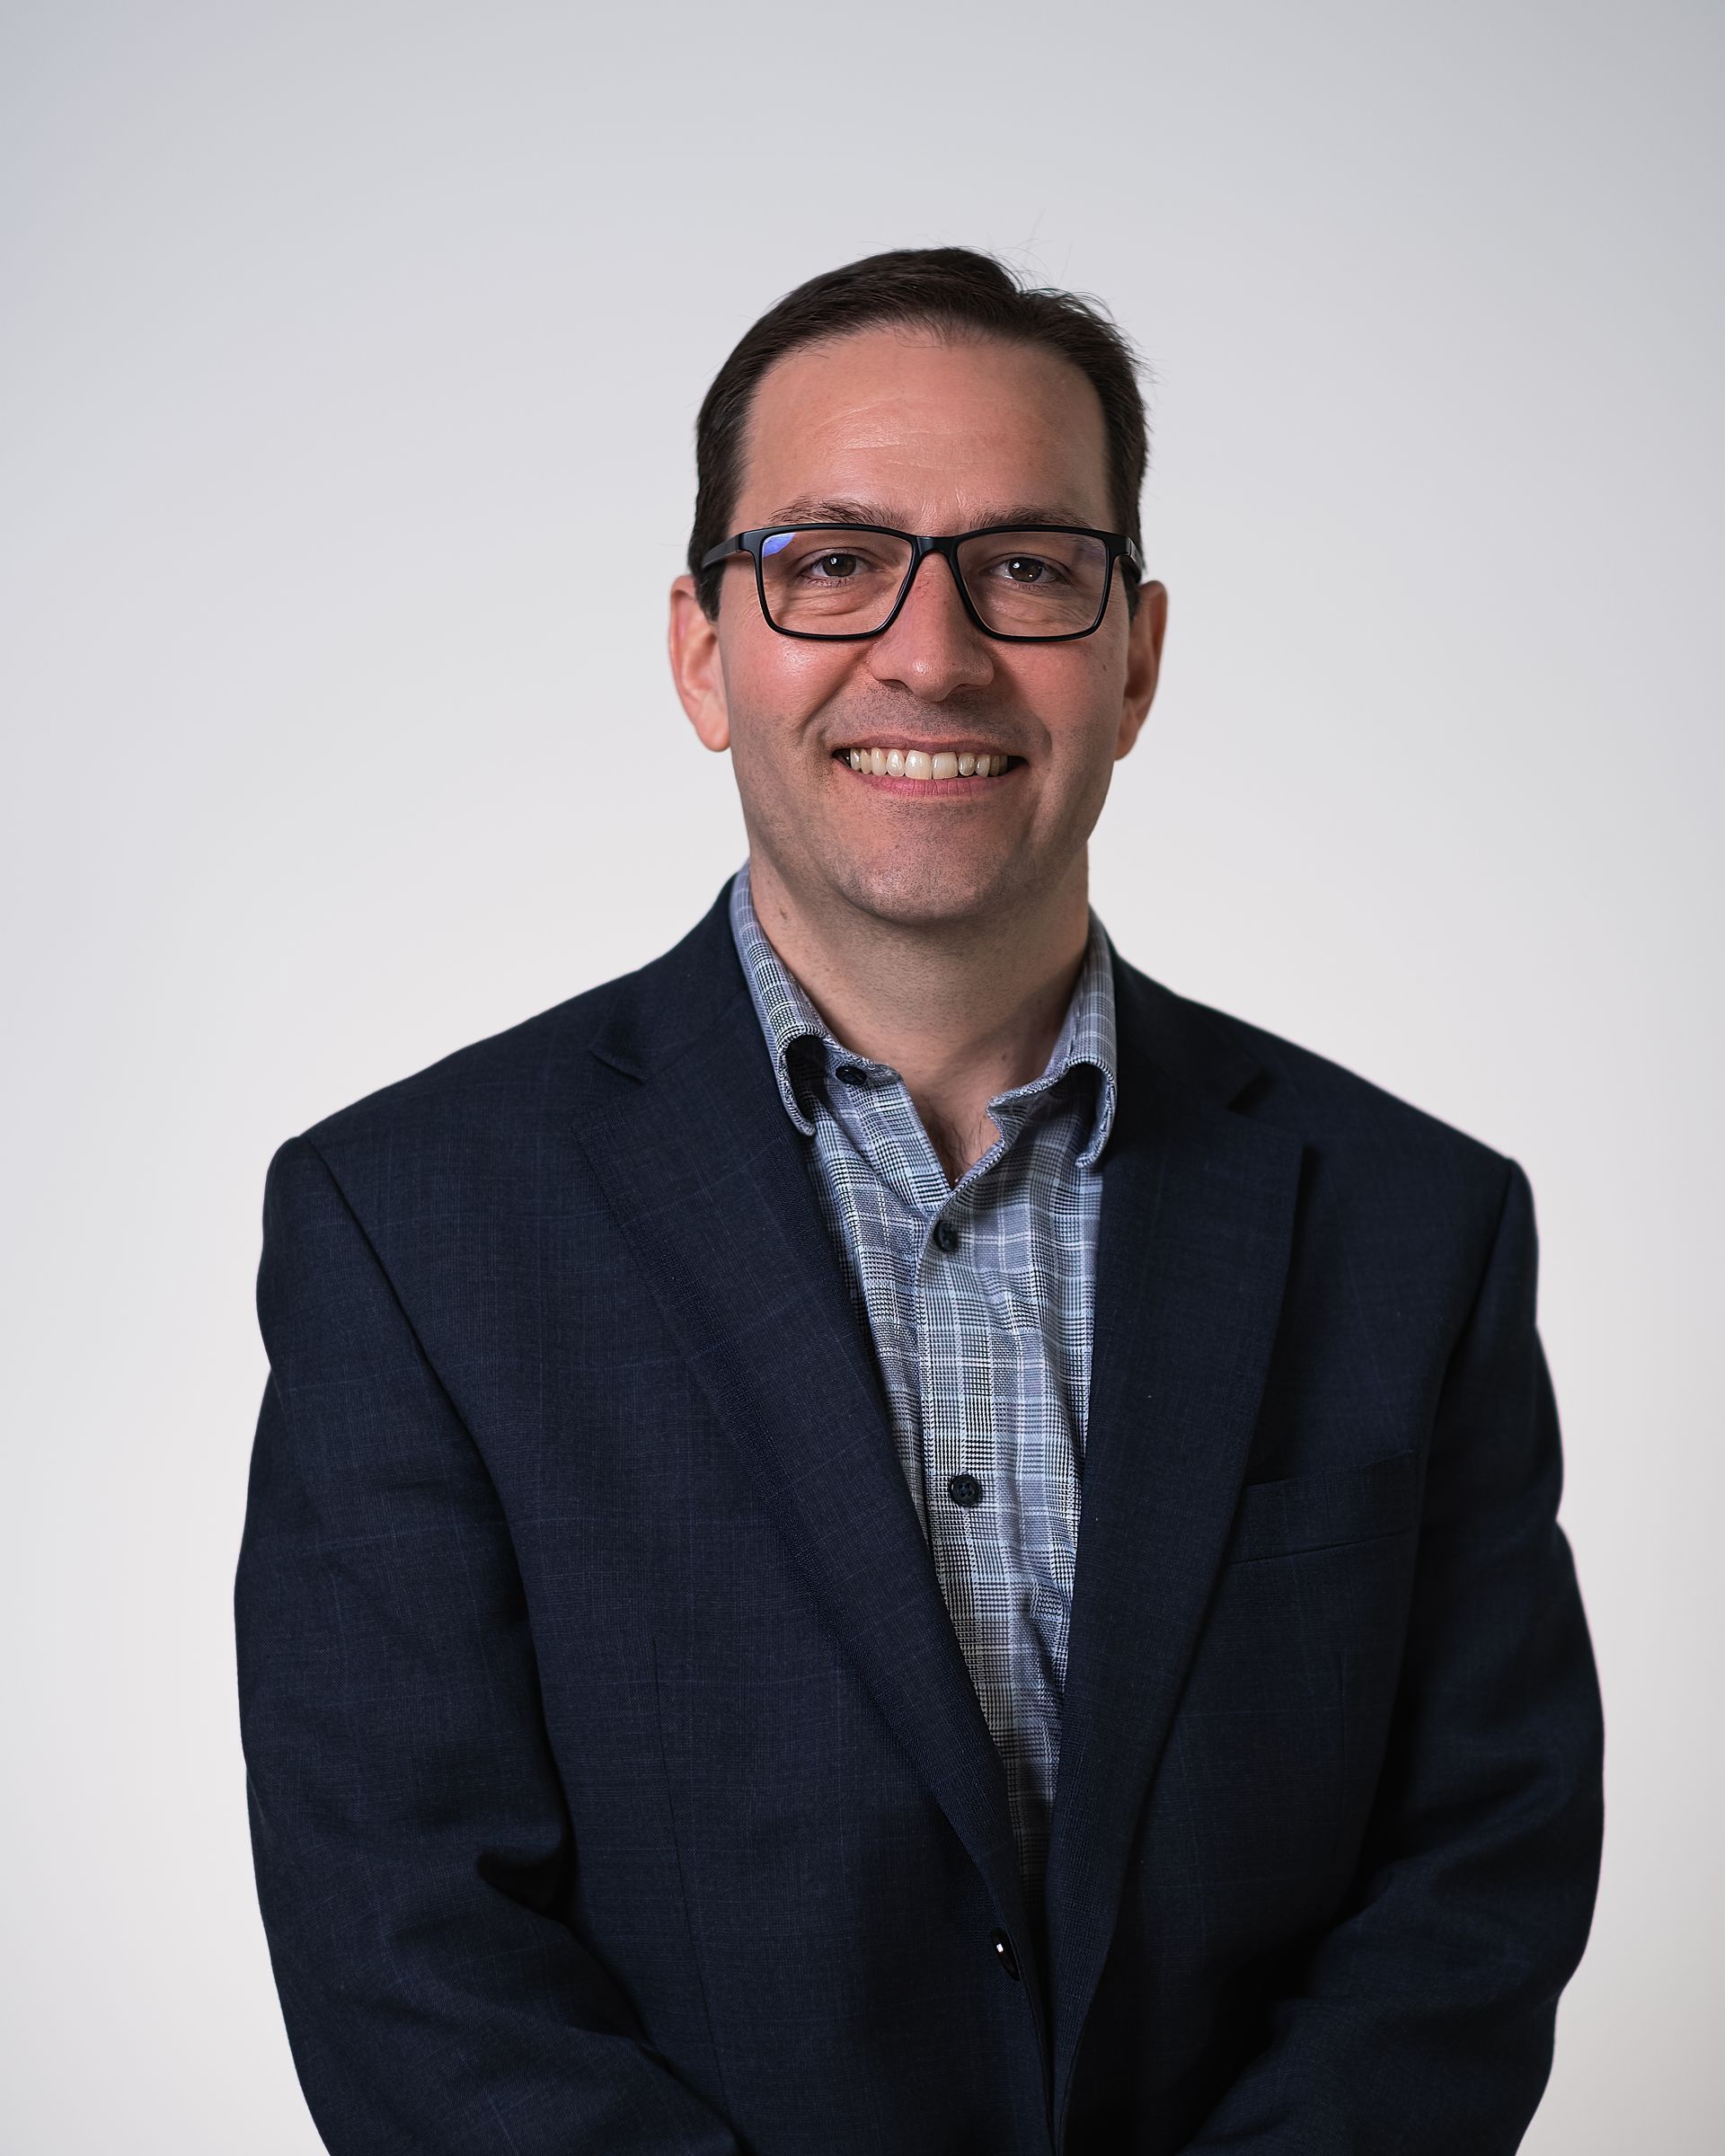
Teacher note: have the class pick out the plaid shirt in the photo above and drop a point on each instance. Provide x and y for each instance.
(978, 1297)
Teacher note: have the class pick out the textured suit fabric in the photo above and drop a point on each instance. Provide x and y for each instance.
(615, 1780)
(979, 1300)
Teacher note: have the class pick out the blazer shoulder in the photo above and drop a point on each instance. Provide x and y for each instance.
(490, 1090)
(477, 1077)
(1293, 1087)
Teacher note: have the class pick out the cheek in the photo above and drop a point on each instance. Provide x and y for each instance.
(1075, 690)
(775, 681)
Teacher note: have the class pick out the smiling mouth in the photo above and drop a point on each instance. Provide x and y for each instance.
(964, 767)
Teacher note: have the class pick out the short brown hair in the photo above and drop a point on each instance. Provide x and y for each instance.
(943, 289)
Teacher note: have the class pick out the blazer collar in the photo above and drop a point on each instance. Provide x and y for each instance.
(1194, 1240)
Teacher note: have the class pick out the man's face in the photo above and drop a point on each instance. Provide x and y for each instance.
(898, 427)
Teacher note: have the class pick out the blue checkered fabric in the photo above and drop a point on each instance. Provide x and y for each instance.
(978, 1297)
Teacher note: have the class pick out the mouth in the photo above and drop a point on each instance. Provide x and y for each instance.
(931, 771)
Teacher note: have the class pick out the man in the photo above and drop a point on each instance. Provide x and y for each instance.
(883, 1536)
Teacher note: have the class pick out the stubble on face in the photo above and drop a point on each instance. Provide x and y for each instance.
(925, 435)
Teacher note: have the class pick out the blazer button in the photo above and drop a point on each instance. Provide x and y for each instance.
(1003, 1953)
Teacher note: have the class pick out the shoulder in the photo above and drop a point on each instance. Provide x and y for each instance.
(1404, 1207)
(1354, 1125)
(490, 1094)
(481, 1076)
(1327, 1099)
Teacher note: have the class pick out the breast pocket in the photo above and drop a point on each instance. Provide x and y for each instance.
(1327, 1511)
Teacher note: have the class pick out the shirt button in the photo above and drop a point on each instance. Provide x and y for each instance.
(946, 1236)
(964, 1490)
(851, 1073)
(1003, 1953)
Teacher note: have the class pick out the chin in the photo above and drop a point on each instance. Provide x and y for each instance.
(931, 894)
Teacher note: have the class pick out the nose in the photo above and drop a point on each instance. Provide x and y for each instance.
(934, 649)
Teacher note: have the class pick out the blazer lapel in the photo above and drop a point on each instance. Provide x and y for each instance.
(687, 1134)
(1195, 1227)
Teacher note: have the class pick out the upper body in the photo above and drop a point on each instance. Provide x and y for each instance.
(1014, 1604)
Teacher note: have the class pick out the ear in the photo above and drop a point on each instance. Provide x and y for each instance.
(1149, 625)
(697, 667)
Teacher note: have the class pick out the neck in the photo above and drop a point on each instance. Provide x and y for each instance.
(963, 1012)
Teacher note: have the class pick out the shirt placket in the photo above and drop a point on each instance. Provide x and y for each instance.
(963, 1466)
(970, 1440)
(949, 1346)
(946, 1347)
(1003, 1556)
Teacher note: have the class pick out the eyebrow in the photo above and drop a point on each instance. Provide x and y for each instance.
(842, 509)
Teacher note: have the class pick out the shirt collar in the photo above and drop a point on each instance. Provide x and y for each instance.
(1088, 1035)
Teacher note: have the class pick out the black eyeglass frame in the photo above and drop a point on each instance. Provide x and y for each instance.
(1120, 548)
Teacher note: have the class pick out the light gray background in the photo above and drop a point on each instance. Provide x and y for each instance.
(350, 360)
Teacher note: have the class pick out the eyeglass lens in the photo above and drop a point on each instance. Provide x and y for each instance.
(839, 581)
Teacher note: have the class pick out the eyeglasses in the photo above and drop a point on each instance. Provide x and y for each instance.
(1036, 584)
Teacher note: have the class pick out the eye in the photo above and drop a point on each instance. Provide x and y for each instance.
(828, 565)
(1026, 571)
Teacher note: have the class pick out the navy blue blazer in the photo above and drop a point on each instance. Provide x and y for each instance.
(614, 1777)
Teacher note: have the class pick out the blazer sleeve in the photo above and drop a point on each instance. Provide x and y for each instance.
(408, 1825)
(1422, 2020)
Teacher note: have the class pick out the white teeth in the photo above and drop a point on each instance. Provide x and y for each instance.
(921, 764)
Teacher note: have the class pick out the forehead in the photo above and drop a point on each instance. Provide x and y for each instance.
(936, 432)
